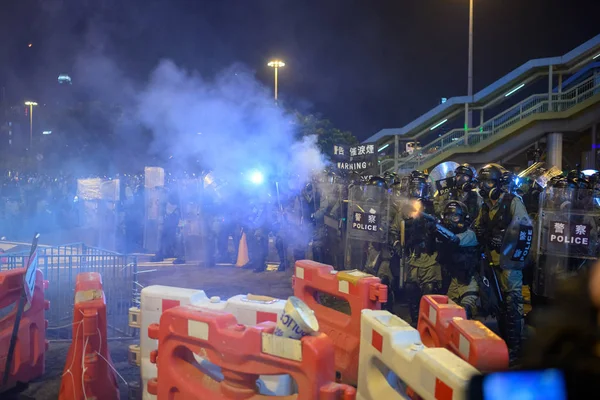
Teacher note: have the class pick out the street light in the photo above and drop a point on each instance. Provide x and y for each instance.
(31, 104)
(276, 64)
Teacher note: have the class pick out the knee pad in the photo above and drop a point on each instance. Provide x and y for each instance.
(430, 288)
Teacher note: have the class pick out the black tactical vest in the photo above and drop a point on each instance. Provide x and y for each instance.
(502, 219)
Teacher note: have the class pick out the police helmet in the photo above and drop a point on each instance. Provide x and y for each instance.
(465, 177)
(391, 178)
(466, 169)
(377, 181)
(419, 174)
(577, 180)
(455, 216)
(418, 186)
(492, 178)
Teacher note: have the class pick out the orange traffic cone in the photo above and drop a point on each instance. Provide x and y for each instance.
(242, 258)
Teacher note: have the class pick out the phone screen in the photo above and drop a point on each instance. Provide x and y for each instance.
(525, 385)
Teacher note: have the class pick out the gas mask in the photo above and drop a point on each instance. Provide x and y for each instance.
(490, 189)
(455, 217)
(463, 182)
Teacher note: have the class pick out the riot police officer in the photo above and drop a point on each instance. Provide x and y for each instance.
(424, 272)
(317, 205)
(459, 254)
(500, 209)
(334, 220)
(257, 227)
(465, 183)
(378, 254)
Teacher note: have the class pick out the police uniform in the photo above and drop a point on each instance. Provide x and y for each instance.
(495, 217)
(461, 262)
(424, 271)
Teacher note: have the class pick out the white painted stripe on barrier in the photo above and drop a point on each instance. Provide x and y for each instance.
(432, 315)
(464, 346)
(427, 379)
(279, 346)
(299, 272)
(344, 287)
(152, 303)
(433, 373)
(198, 329)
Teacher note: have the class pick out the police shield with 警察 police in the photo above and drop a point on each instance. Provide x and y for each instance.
(568, 237)
(367, 226)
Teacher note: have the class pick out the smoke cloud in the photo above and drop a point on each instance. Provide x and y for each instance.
(231, 123)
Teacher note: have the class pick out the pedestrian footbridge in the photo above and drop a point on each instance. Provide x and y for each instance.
(543, 100)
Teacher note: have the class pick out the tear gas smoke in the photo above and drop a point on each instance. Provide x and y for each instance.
(241, 127)
(230, 123)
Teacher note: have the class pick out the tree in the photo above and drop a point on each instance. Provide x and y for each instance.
(327, 134)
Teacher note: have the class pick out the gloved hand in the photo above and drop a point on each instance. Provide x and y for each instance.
(479, 232)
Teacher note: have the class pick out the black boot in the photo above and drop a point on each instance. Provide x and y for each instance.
(413, 297)
(282, 254)
(514, 325)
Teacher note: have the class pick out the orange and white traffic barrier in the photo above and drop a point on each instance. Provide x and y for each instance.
(89, 372)
(443, 323)
(389, 344)
(360, 290)
(29, 353)
(248, 309)
(241, 353)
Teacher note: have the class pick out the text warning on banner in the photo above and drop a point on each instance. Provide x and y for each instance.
(364, 222)
(576, 234)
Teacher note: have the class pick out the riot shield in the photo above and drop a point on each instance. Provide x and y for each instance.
(368, 221)
(99, 212)
(335, 211)
(442, 178)
(190, 226)
(536, 173)
(567, 236)
(110, 232)
(154, 184)
(90, 196)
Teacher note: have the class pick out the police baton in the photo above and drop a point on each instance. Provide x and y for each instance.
(496, 282)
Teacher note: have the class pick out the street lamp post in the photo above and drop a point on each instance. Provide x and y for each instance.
(276, 64)
(469, 114)
(31, 104)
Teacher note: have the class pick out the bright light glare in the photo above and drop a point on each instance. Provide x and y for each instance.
(438, 124)
(31, 103)
(256, 177)
(276, 64)
(47, 133)
(589, 172)
(514, 90)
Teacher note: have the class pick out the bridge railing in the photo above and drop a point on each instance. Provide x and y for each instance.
(531, 106)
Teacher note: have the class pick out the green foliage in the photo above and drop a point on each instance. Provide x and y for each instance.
(327, 134)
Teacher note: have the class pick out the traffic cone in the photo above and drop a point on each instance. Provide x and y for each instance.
(242, 258)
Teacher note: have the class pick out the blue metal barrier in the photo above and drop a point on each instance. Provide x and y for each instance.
(61, 264)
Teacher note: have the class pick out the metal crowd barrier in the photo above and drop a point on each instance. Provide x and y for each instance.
(61, 264)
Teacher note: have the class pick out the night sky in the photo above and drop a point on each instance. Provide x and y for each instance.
(366, 65)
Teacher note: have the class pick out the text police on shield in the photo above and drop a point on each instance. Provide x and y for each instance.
(364, 222)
